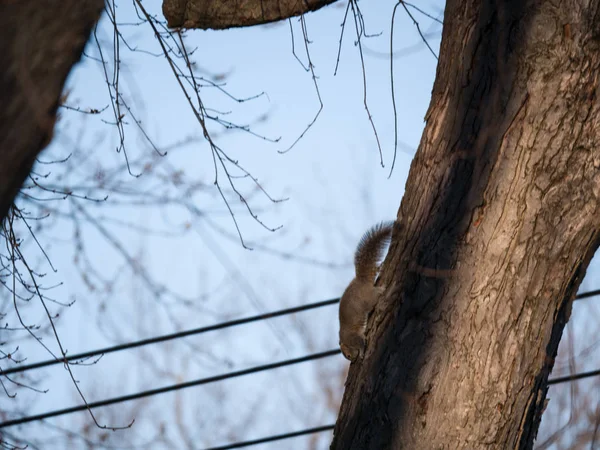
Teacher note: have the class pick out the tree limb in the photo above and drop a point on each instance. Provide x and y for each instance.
(222, 14)
(39, 43)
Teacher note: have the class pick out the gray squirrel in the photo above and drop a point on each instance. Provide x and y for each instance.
(361, 295)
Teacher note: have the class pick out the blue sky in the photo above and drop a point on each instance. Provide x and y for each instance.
(332, 177)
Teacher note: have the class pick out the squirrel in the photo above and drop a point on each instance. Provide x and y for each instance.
(361, 295)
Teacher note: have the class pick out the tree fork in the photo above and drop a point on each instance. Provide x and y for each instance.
(499, 221)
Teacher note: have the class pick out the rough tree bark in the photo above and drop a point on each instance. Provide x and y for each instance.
(498, 223)
(221, 14)
(39, 43)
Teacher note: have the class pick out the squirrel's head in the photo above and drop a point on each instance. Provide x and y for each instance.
(352, 344)
(349, 353)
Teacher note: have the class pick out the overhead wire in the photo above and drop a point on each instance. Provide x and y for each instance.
(167, 337)
(558, 380)
(574, 377)
(173, 387)
(276, 437)
(191, 332)
(221, 377)
(587, 294)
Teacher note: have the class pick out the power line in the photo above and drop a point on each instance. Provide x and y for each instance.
(173, 387)
(213, 379)
(194, 331)
(575, 376)
(167, 337)
(277, 437)
(221, 377)
(587, 294)
(274, 438)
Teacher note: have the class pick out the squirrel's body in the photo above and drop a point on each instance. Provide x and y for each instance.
(361, 295)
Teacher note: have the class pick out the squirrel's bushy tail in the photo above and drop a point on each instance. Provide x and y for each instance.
(370, 249)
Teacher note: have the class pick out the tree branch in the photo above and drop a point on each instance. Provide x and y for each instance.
(39, 43)
(222, 14)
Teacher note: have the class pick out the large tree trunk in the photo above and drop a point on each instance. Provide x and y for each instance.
(39, 43)
(499, 221)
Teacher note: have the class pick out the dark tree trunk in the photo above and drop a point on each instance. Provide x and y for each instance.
(499, 221)
(39, 43)
(221, 14)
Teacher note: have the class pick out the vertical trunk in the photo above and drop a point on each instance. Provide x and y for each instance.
(39, 43)
(500, 218)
